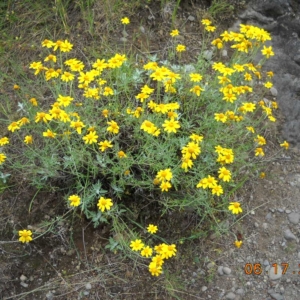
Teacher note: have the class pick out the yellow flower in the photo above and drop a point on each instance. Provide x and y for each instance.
(268, 84)
(64, 100)
(191, 150)
(195, 77)
(235, 208)
(267, 51)
(65, 46)
(154, 269)
(206, 22)
(168, 251)
(33, 101)
(78, 125)
(224, 174)
(50, 57)
(174, 33)
(2, 158)
(238, 244)
(136, 245)
(127, 172)
(180, 48)
(260, 140)
(210, 28)
(67, 76)
(90, 138)
(28, 139)
(122, 154)
(259, 152)
(196, 90)
(47, 43)
(75, 200)
(13, 126)
(104, 203)
(125, 21)
(42, 116)
(158, 260)
(196, 137)
(171, 125)
(163, 175)
(25, 236)
(262, 175)
(105, 113)
(49, 134)
(270, 74)
(148, 126)
(218, 43)
(186, 163)
(113, 127)
(23, 121)
(285, 144)
(220, 117)
(217, 190)
(4, 141)
(152, 228)
(108, 91)
(16, 87)
(105, 145)
(147, 251)
(165, 186)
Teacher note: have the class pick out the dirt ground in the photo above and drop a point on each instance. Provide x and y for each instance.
(70, 260)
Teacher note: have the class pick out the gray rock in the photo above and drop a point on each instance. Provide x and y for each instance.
(240, 292)
(224, 53)
(88, 286)
(226, 270)
(220, 270)
(294, 217)
(204, 288)
(23, 284)
(23, 277)
(266, 262)
(276, 296)
(265, 226)
(273, 92)
(230, 296)
(269, 216)
(278, 274)
(288, 235)
(191, 18)
(49, 296)
(288, 211)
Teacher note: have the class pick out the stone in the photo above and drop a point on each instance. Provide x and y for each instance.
(276, 296)
(23, 277)
(240, 292)
(88, 286)
(23, 284)
(288, 235)
(191, 18)
(49, 296)
(226, 270)
(230, 296)
(278, 274)
(294, 217)
(273, 91)
(220, 270)
(204, 288)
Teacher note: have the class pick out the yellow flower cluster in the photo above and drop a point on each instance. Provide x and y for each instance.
(164, 177)
(162, 252)
(191, 151)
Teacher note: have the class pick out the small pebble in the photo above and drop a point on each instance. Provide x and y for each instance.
(220, 270)
(23, 284)
(230, 296)
(23, 277)
(294, 217)
(226, 270)
(288, 211)
(288, 235)
(88, 286)
(204, 288)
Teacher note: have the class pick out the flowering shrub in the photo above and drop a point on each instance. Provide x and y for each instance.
(115, 134)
